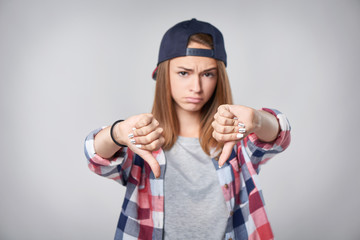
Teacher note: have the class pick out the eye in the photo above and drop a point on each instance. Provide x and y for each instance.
(209, 74)
(183, 74)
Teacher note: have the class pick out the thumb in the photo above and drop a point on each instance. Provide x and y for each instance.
(226, 152)
(154, 165)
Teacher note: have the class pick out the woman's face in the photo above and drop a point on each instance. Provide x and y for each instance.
(193, 80)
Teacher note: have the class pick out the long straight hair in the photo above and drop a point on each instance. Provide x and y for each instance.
(164, 105)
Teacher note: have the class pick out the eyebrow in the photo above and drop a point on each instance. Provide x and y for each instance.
(190, 70)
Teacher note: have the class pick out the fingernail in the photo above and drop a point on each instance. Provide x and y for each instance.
(241, 125)
(138, 145)
(131, 135)
(132, 141)
(242, 130)
(133, 129)
(239, 135)
(220, 166)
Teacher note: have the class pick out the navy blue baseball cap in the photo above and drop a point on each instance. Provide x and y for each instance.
(175, 41)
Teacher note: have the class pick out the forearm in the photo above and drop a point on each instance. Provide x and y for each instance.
(269, 128)
(104, 145)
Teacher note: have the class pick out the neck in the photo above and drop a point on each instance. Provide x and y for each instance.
(189, 123)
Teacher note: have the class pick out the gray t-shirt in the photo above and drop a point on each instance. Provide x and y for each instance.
(194, 202)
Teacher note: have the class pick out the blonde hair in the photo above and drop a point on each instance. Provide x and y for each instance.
(164, 107)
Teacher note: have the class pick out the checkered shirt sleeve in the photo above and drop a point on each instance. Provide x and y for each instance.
(116, 168)
(260, 152)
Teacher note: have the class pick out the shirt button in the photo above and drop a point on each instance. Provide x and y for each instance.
(230, 238)
(226, 186)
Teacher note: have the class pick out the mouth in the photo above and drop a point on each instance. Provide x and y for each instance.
(193, 100)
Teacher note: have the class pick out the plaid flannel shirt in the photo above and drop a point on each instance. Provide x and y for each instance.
(142, 214)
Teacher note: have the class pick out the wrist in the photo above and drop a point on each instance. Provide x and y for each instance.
(115, 133)
(258, 120)
(268, 127)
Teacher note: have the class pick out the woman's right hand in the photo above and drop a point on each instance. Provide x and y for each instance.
(142, 134)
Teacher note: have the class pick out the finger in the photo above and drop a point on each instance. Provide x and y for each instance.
(220, 137)
(145, 130)
(154, 165)
(145, 120)
(153, 146)
(224, 129)
(224, 111)
(224, 120)
(226, 152)
(152, 136)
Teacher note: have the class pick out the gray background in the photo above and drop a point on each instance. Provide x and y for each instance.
(68, 67)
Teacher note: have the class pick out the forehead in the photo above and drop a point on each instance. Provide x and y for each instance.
(193, 62)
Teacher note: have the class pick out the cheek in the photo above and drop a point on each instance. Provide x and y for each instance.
(174, 87)
(209, 88)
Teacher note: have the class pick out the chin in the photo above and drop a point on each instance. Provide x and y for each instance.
(190, 107)
(196, 108)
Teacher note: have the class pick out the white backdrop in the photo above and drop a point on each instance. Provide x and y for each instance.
(68, 67)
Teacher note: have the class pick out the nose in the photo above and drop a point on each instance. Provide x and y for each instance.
(196, 84)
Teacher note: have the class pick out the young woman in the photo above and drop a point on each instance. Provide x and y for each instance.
(191, 166)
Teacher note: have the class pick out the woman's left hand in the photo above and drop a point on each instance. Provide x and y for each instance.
(231, 124)
(234, 122)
